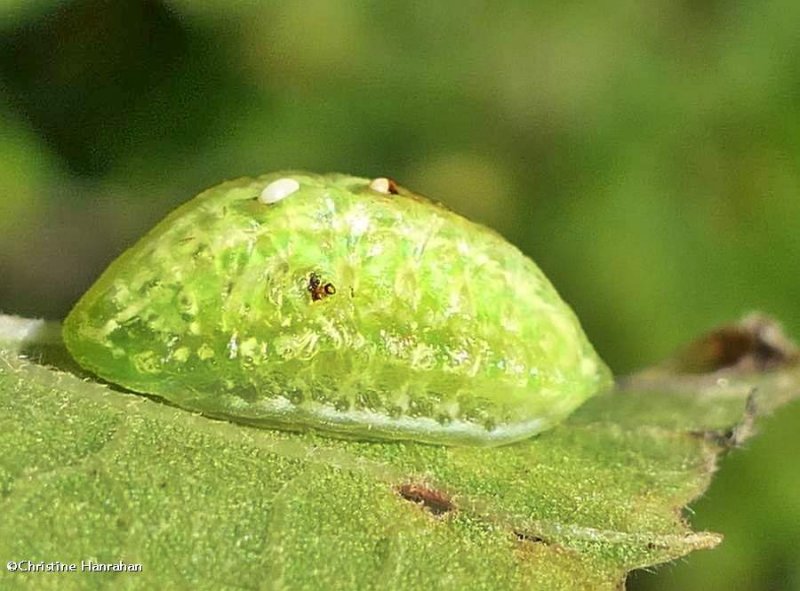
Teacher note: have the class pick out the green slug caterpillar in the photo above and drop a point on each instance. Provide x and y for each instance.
(350, 306)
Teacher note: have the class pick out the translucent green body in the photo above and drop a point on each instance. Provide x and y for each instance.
(338, 308)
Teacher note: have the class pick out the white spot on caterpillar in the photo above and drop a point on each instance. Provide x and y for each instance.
(383, 185)
(278, 190)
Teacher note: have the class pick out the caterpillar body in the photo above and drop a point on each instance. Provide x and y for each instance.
(346, 305)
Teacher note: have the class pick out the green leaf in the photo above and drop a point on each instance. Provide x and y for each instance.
(91, 473)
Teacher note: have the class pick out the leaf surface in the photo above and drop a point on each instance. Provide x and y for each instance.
(88, 472)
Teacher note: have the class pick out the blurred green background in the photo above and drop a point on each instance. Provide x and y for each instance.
(646, 155)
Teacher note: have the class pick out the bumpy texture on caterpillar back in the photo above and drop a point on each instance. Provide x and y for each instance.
(331, 302)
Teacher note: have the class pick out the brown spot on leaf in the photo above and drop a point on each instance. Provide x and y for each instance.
(435, 501)
(755, 344)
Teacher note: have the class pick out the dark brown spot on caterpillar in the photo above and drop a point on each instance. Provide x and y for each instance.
(435, 501)
(318, 289)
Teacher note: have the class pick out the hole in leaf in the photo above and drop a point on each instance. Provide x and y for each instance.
(529, 537)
